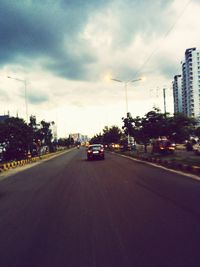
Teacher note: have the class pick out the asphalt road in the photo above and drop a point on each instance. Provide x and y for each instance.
(70, 212)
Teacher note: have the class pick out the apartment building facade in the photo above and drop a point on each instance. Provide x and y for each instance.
(186, 89)
(177, 92)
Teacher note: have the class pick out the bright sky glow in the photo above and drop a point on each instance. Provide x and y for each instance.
(64, 49)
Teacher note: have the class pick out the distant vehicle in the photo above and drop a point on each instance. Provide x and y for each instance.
(95, 151)
(163, 146)
(196, 148)
(78, 146)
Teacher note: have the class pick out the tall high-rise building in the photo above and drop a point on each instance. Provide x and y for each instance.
(184, 91)
(191, 82)
(187, 96)
(177, 91)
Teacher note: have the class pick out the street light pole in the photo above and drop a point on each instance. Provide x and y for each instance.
(125, 88)
(25, 94)
(126, 96)
(26, 101)
(164, 98)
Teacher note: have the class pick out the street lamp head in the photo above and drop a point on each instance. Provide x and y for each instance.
(138, 79)
(108, 77)
(116, 80)
(16, 79)
(143, 78)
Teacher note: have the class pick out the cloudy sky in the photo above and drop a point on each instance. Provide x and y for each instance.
(65, 48)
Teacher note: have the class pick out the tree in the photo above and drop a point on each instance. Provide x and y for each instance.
(62, 141)
(137, 128)
(17, 137)
(70, 141)
(45, 133)
(66, 142)
(112, 135)
(181, 127)
(97, 139)
(35, 133)
(156, 124)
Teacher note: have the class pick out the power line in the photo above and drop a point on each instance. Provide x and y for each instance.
(164, 38)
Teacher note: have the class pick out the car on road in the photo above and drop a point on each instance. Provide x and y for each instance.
(163, 146)
(95, 151)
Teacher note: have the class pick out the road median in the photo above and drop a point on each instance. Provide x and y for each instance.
(19, 163)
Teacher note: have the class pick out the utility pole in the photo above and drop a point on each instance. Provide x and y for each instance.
(25, 94)
(126, 83)
(164, 97)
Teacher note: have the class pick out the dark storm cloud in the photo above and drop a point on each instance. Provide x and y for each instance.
(50, 30)
(24, 31)
(31, 30)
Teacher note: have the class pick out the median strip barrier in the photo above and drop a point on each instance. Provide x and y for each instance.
(1, 168)
(14, 164)
(7, 166)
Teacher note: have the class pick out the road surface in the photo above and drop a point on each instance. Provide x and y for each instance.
(70, 212)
